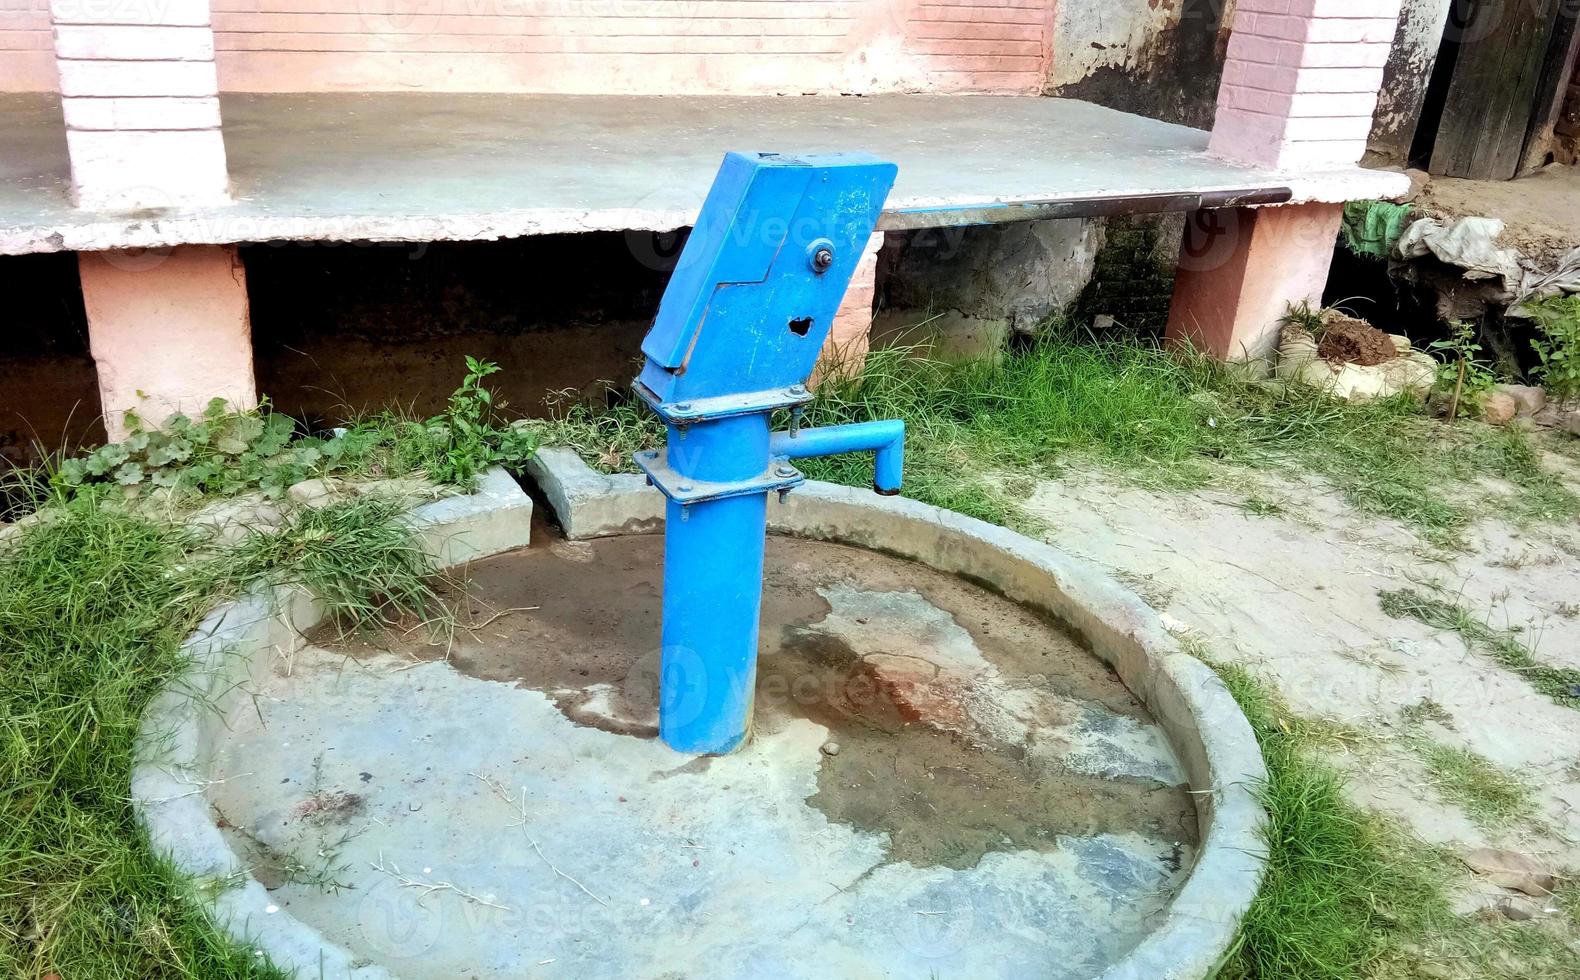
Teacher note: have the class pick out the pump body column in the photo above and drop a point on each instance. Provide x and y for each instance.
(713, 588)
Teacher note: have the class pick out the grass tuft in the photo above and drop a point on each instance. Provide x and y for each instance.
(1162, 419)
(1487, 794)
(359, 556)
(1351, 896)
(94, 605)
(1561, 684)
(1338, 882)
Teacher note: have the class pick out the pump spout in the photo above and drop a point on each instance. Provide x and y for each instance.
(886, 438)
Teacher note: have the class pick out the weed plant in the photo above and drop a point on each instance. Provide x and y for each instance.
(980, 433)
(95, 602)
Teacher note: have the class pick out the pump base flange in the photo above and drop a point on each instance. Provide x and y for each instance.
(778, 475)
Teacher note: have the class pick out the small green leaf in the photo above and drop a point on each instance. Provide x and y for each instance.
(73, 472)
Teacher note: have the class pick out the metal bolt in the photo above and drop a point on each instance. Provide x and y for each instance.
(684, 488)
(822, 259)
(797, 389)
(651, 454)
(683, 406)
(784, 469)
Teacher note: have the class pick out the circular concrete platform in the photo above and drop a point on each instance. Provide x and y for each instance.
(941, 780)
(998, 804)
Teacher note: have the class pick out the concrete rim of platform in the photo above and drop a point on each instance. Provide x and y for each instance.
(1204, 724)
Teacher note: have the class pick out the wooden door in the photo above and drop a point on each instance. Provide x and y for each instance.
(1501, 60)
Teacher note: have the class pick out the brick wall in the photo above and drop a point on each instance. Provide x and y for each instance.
(1301, 80)
(1133, 274)
(140, 100)
(27, 55)
(600, 46)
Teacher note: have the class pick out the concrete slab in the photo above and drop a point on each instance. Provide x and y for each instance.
(442, 167)
(508, 812)
(1096, 870)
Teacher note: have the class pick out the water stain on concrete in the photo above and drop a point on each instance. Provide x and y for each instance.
(965, 724)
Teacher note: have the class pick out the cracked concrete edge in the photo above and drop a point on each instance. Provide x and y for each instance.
(171, 764)
(1204, 724)
(229, 224)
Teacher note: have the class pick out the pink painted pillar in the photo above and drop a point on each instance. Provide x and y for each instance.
(168, 331)
(141, 103)
(1298, 91)
(850, 337)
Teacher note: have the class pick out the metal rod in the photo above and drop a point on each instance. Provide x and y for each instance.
(989, 213)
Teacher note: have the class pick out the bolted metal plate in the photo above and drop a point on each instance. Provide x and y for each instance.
(779, 475)
(722, 406)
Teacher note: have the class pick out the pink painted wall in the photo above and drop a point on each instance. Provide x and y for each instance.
(1300, 81)
(599, 46)
(27, 55)
(168, 331)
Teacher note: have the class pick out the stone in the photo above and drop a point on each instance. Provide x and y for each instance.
(1418, 181)
(1518, 909)
(1498, 408)
(830, 748)
(1529, 398)
(1511, 870)
(318, 492)
(1017, 274)
(1414, 373)
(1296, 351)
(1571, 423)
(411, 488)
(231, 519)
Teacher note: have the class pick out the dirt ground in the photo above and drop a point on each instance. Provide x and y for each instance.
(1541, 212)
(1289, 587)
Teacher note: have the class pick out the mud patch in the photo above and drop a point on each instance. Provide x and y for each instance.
(948, 797)
(1346, 340)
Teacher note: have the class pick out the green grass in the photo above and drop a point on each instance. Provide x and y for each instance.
(1487, 794)
(94, 604)
(1338, 880)
(1504, 646)
(1351, 896)
(1161, 419)
(358, 556)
